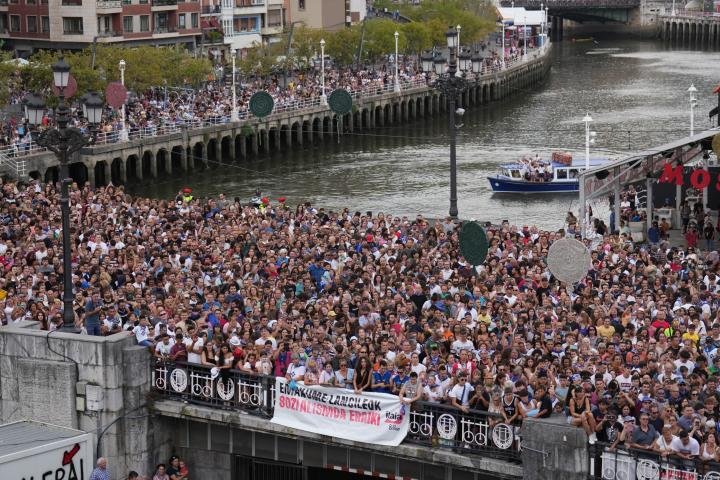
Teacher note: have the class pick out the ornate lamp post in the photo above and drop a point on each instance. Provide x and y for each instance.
(64, 141)
(451, 85)
(123, 129)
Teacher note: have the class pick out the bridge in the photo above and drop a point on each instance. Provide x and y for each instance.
(582, 11)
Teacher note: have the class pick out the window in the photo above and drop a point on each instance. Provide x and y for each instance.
(14, 23)
(32, 24)
(301, 4)
(72, 25)
(128, 24)
(195, 20)
(30, 2)
(45, 24)
(143, 2)
(144, 23)
(181, 21)
(72, 3)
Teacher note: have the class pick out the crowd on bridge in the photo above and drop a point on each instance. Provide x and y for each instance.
(383, 302)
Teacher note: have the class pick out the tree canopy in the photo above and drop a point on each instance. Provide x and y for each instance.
(146, 66)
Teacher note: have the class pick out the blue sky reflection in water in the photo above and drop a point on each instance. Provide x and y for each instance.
(635, 91)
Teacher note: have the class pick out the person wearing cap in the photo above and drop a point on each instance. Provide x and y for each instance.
(459, 395)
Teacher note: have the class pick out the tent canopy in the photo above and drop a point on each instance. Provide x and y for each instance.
(521, 16)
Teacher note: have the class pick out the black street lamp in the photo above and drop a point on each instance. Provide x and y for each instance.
(64, 141)
(451, 85)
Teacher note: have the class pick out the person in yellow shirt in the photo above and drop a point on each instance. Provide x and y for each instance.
(691, 334)
(606, 330)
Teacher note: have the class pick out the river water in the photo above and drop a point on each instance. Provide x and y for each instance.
(636, 92)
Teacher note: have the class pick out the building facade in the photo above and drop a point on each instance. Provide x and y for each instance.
(328, 14)
(236, 25)
(28, 25)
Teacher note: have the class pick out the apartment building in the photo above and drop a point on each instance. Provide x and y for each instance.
(239, 24)
(27, 25)
(328, 14)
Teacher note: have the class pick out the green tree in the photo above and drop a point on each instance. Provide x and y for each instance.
(379, 39)
(305, 45)
(342, 45)
(417, 37)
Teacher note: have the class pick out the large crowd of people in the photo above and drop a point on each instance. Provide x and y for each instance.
(373, 301)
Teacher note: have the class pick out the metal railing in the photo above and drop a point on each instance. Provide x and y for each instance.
(620, 463)
(366, 92)
(693, 14)
(163, 3)
(107, 4)
(433, 425)
(211, 9)
(12, 157)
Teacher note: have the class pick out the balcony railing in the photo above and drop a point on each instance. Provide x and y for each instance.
(644, 464)
(246, 4)
(433, 425)
(109, 33)
(211, 9)
(163, 3)
(107, 4)
(3, 3)
(164, 30)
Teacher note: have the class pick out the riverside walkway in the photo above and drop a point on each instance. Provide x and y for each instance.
(166, 150)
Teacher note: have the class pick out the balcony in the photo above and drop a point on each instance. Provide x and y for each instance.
(109, 6)
(273, 29)
(250, 7)
(108, 34)
(3, 3)
(160, 5)
(211, 9)
(164, 32)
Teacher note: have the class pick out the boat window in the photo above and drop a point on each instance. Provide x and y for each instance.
(574, 173)
(561, 173)
(515, 173)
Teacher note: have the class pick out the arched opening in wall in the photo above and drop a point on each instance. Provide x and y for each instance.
(115, 171)
(427, 103)
(225, 145)
(147, 164)
(346, 121)
(334, 124)
(197, 154)
(355, 120)
(418, 106)
(132, 168)
(284, 132)
(35, 175)
(212, 150)
(79, 173)
(397, 111)
(249, 139)
(51, 175)
(100, 180)
(326, 125)
(491, 95)
(365, 119)
(378, 116)
(272, 139)
(387, 111)
(295, 133)
(161, 157)
(410, 108)
(176, 158)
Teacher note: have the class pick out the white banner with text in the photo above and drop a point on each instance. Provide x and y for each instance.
(377, 418)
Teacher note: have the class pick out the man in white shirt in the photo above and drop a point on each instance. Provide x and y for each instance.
(685, 446)
(194, 344)
(460, 394)
(142, 333)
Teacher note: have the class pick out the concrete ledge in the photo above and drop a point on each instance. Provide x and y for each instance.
(176, 409)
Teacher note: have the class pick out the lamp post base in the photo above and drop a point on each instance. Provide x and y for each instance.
(397, 88)
(234, 117)
(323, 99)
(68, 328)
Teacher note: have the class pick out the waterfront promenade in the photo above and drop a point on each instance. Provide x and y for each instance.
(175, 148)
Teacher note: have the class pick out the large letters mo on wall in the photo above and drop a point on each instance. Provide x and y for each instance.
(376, 418)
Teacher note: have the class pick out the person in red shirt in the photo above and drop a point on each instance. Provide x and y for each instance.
(691, 237)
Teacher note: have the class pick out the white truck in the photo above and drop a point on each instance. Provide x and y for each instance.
(40, 451)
